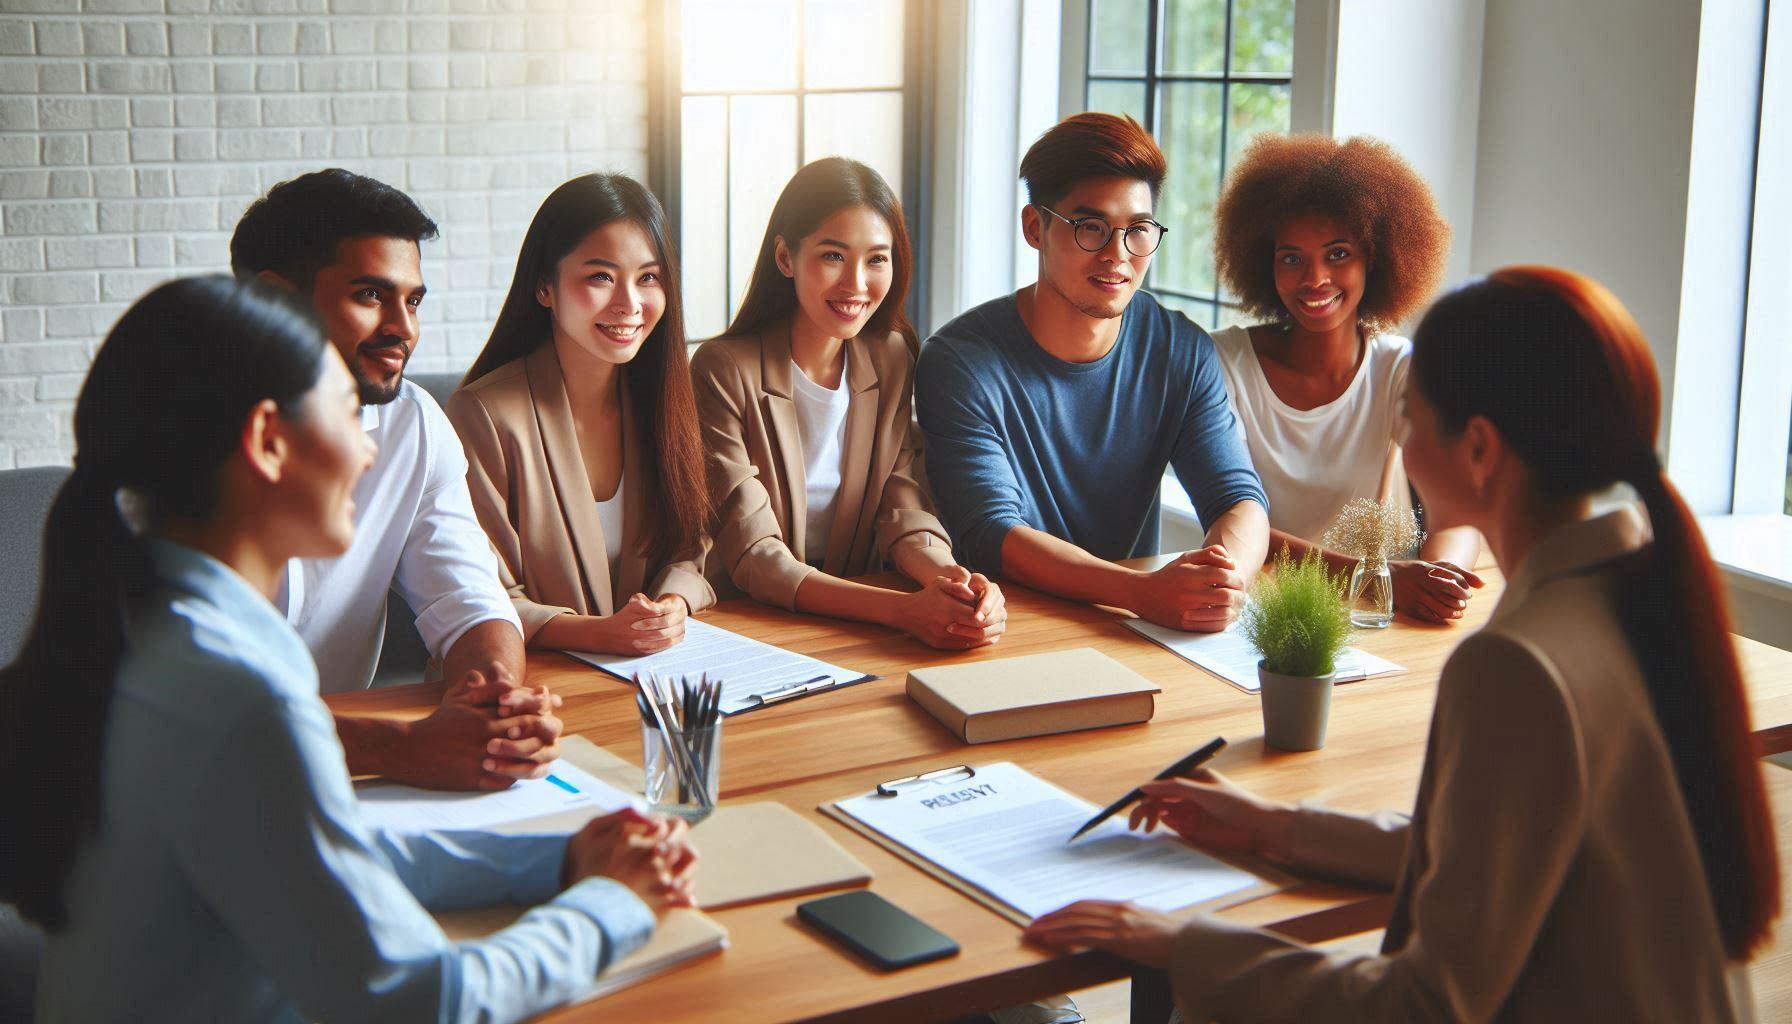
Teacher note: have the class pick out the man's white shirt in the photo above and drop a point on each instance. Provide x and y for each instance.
(414, 532)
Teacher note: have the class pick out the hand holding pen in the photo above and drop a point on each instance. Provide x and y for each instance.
(1181, 767)
(1211, 813)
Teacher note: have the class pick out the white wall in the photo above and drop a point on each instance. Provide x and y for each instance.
(1585, 146)
(996, 88)
(134, 132)
(1408, 72)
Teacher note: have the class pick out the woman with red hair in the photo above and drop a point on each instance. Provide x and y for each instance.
(1591, 839)
(1329, 245)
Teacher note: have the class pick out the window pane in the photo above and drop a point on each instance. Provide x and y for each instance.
(703, 206)
(761, 158)
(1118, 98)
(1263, 36)
(1117, 36)
(1202, 313)
(739, 44)
(1229, 316)
(853, 45)
(1195, 37)
(866, 126)
(1189, 132)
(1255, 108)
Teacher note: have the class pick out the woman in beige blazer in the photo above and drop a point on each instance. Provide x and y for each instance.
(806, 407)
(584, 459)
(1591, 839)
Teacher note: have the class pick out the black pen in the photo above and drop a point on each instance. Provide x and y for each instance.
(1182, 767)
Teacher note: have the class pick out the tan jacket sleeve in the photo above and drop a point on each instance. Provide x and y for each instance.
(685, 579)
(1501, 827)
(488, 479)
(748, 540)
(1364, 849)
(905, 511)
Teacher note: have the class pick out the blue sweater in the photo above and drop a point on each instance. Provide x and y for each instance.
(1016, 436)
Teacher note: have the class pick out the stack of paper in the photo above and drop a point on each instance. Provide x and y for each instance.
(1228, 655)
(749, 669)
(567, 789)
(1001, 832)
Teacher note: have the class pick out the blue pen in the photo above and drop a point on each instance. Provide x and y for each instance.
(563, 784)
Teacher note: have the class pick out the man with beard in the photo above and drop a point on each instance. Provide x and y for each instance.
(1051, 414)
(352, 244)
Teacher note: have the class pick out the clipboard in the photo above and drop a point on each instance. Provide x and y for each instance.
(1269, 881)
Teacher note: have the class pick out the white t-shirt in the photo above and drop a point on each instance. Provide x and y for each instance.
(821, 420)
(609, 516)
(414, 531)
(1313, 461)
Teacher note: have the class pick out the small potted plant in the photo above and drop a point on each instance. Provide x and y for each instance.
(1299, 623)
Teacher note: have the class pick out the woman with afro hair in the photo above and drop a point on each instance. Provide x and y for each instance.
(1329, 245)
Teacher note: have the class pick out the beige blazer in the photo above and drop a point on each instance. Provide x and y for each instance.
(1550, 872)
(756, 463)
(533, 498)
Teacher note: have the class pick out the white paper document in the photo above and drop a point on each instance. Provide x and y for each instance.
(748, 669)
(1228, 655)
(399, 808)
(1003, 831)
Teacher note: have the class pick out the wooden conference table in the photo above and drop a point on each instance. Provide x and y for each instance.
(834, 745)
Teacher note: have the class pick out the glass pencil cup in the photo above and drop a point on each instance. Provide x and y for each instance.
(668, 787)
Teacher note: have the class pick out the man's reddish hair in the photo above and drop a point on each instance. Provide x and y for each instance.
(1090, 145)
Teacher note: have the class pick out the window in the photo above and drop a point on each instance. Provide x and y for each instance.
(762, 87)
(1203, 76)
(1763, 481)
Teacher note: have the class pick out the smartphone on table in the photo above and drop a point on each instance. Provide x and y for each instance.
(876, 929)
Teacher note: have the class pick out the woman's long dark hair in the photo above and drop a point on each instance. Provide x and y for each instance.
(659, 377)
(1557, 365)
(816, 192)
(162, 410)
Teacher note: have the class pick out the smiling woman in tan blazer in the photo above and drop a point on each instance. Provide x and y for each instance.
(807, 412)
(578, 411)
(1591, 839)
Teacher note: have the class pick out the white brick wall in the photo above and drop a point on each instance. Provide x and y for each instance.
(134, 132)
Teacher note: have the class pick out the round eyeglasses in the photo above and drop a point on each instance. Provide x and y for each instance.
(1092, 233)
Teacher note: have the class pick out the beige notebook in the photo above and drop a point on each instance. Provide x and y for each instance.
(1034, 695)
(761, 851)
(682, 936)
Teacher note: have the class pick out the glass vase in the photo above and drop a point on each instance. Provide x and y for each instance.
(1371, 594)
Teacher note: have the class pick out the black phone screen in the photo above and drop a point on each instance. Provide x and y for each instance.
(877, 929)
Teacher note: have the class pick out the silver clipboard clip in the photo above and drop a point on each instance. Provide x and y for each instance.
(955, 773)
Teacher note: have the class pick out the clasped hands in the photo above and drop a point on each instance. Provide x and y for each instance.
(956, 610)
(648, 853)
(488, 732)
(1199, 591)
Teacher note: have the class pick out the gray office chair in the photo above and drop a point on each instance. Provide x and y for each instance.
(439, 385)
(25, 497)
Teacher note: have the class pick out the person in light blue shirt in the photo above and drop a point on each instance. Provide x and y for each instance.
(201, 856)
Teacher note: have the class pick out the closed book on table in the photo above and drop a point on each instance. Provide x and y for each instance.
(1034, 695)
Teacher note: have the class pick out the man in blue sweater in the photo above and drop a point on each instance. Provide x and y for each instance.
(1051, 414)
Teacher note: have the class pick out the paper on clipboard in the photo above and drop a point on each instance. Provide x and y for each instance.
(999, 835)
(1228, 655)
(750, 670)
